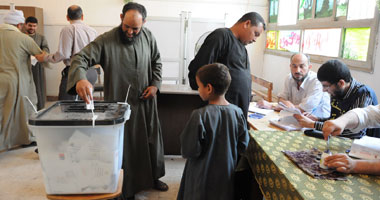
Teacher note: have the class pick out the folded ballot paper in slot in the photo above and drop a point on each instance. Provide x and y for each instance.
(366, 148)
(286, 120)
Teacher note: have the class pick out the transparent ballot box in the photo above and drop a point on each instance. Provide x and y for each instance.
(80, 150)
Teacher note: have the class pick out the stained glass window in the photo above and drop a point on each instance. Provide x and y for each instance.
(361, 9)
(271, 40)
(341, 8)
(356, 42)
(287, 13)
(305, 9)
(273, 11)
(289, 40)
(324, 8)
(322, 41)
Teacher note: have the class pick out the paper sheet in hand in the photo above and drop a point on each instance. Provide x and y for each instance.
(366, 148)
(290, 110)
(253, 108)
(33, 60)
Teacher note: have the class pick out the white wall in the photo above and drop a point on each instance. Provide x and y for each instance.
(104, 14)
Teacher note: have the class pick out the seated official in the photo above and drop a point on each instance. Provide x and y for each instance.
(355, 120)
(302, 89)
(346, 94)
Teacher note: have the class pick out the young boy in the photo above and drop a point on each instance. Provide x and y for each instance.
(212, 139)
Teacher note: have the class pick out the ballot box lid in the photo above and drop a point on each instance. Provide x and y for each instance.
(74, 113)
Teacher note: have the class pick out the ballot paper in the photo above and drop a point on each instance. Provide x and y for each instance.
(33, 60)
(366, 148)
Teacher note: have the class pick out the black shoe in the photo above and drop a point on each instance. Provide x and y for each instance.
(161, 186)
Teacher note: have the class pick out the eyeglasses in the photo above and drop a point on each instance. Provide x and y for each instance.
(327, 86)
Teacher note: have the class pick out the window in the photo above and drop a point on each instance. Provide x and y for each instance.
(324, 29)
(289, 40)
(271, 40)
(322, 41)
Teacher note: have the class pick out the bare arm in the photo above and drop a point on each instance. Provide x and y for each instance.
(345, 164)
(335, 127)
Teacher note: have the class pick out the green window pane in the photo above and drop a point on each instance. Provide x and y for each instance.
(305, 9)
(324, 8)
(289, 40)
(341, 8)
(271, 40)
(356, 42)
(273, 11)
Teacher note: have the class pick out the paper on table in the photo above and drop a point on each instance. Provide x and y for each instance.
(253, 108)
(288, 123)
(290, 110)
(366, 148)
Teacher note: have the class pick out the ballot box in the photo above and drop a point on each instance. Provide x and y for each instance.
(80, 150)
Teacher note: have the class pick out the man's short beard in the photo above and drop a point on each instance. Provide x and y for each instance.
(128, 40)
(339, 93)
(300, 80)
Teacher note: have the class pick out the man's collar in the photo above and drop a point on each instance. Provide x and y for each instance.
(77, 21)
(350, 88)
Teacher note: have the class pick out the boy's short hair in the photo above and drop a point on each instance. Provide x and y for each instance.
(217, 75)
(334, 70)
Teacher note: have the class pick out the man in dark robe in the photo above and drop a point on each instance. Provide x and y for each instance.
(227, 46)
(31, 24)
(129, 56)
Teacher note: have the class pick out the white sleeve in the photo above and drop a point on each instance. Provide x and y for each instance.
(369, 117)
(64, 48)
(285, 93)
(313, 98)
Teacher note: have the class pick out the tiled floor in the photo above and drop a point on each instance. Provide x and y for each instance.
(21, 177)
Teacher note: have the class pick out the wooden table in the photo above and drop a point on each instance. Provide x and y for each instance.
(263, 123)
(175, 104)
(280, 178)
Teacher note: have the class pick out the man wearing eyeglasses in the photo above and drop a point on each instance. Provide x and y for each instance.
(129, 56)
(346, 94)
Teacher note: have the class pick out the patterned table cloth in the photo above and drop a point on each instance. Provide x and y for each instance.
(279, 178)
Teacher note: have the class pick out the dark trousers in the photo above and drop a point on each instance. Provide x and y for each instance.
(63, 95)
(246, 186)
(40, 83)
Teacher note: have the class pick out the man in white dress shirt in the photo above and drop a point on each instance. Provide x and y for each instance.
(71, 40)
(302, 89)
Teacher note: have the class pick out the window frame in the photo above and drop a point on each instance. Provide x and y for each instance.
(331, 22)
